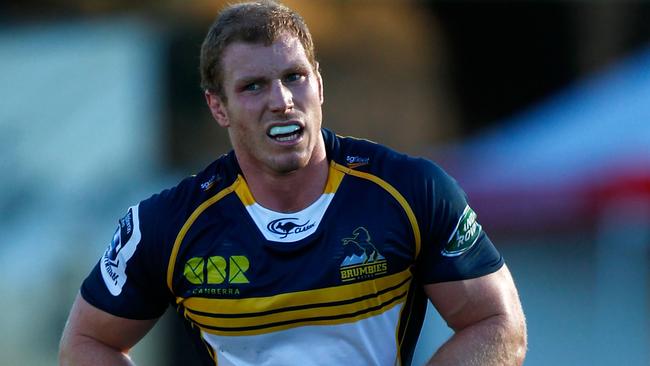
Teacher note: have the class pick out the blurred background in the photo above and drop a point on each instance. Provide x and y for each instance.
(541, 110)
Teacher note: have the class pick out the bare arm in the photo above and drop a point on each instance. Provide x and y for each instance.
(486, 316)
(94, 337)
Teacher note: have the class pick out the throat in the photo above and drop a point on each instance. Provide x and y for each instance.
(291, 195)
(290, 192)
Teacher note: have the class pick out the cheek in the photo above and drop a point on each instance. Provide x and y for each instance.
(249, 111)
(246, 129)
(317, 90)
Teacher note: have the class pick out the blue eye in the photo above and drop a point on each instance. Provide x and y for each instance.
(293, 77)
(252, 87)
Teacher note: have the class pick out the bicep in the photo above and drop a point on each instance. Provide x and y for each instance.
(88, 323)
(466, 302)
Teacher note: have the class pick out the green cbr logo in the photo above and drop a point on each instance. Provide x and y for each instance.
(216, 270)
(464, 236)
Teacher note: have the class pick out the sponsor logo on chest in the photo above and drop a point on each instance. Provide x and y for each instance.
(209, 275)
(289, 226)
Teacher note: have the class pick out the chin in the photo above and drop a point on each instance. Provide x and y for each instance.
(289, 165)
(289, 168)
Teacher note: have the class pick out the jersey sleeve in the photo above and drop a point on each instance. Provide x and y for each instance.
(454, 244)
(126, 281)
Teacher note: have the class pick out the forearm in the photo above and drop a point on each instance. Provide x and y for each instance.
(82, 351)
(493, 341)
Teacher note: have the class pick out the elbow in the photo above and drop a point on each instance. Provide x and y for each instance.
(509, 335)
(65, 350)
(66, 353)
(519, 349)
(518, 336)
(522, 348)
(70, 347)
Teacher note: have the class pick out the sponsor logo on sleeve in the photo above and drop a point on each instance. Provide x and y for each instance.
(464, 235)
(356, 161)
(208, 184)
(122, 247)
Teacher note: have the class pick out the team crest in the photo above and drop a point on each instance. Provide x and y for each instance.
(362, 260)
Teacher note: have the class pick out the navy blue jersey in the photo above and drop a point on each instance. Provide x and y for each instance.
(338, 282)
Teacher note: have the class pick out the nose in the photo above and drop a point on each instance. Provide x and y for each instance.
(280, 97)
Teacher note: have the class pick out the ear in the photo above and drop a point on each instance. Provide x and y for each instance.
(319, 79)
(217, 108)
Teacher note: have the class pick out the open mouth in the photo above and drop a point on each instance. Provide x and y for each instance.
(285, 133)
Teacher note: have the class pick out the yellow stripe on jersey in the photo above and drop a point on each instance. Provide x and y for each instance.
(334, 178)
(181, 234)
(244, 193)
(334, 305)
(301, 298)
(317, 320)
(393, 192)
(292, 318)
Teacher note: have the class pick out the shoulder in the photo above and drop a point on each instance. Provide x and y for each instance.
(418, 183)
(152, 226)
(180, 201)
(163, 215)
(404, 171)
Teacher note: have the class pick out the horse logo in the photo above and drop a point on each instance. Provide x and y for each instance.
(362, 243)
(365, 261)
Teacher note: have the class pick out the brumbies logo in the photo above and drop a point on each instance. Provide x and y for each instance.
(364, 260)
(122, 247)
(464, 235)
(286, 226)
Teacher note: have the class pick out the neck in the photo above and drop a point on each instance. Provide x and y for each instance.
(289, 192)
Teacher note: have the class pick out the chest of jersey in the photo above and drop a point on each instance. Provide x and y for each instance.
(351, 259)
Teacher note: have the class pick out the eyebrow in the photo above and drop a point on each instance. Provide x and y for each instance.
(248, 80)
(245, 80)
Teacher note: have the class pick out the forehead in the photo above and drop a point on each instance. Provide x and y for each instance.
(241, 59)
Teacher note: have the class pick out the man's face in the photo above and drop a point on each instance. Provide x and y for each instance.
(273, 104)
